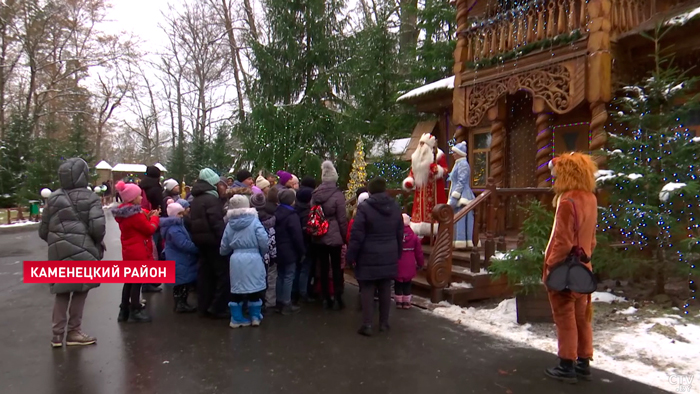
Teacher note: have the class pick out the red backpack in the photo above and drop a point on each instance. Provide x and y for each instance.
(317, 225)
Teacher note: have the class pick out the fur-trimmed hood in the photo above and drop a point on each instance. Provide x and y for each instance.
(241, 218)
(126, 210)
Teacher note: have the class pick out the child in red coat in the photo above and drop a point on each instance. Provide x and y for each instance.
(411, 258)
(137, 227)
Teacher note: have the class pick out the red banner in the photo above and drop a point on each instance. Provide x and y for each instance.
(99, 271)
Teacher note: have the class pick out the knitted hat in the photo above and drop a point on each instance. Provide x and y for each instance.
(128, 191)
(362, 198)
(328, 172)
(185, 204)
(460, 149)
(304, 195)
(262, 182)
(406, 220)
(174, 209)
(238, 201)
(153, 172)
(170, 184)
(169, 201)
(377, 185)
(256, 190)
(258, 201)
(242, 175)
(223, 179)
(308, 181)
(209, 176)
(295, 179)
(284, 177)
(287, 196)
(360, 191)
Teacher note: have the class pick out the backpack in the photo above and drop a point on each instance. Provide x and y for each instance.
(145, 204)
(316, 225)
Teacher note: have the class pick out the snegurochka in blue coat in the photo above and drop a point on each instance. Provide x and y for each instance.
(180, 248)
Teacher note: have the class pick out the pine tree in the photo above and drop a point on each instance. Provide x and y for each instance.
(15, 150)
(220, 159)
(358, 175)
(652, 175)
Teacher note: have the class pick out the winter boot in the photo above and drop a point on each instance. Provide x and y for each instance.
(255, 309)
(237, 318)
(123, 313)
(79, 338)
(181, 305)
(583, 368)
(338, 305)
(399, 301)
(365, 331)
(138, 316)
(290, 309)
(564, 372)
(407, 302)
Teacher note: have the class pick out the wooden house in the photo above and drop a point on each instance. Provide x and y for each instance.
(533, 79)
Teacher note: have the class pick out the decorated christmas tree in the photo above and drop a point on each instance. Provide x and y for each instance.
(652, 172)
(358, 175)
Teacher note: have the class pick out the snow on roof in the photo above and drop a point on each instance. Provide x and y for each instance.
(103, 165)
(443, 84)
(396, 147)
(122, 167)
(160, 167)
(683, 18)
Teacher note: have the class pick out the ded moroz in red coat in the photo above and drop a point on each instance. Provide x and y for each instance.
(137, 231)
(427, 180)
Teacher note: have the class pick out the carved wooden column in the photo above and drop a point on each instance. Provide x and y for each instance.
(599, 76)
(461, 57)
(543, 125)
(497, 116)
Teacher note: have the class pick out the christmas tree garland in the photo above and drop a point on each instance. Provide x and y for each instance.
(561, 39)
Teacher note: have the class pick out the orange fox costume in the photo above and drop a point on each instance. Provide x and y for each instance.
(574, 186)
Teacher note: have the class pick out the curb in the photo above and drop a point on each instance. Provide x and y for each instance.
(19, 229)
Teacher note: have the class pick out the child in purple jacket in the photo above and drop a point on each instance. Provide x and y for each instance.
(411, 258)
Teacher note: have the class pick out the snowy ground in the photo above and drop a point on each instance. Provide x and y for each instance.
(632, 349)
(18, 224)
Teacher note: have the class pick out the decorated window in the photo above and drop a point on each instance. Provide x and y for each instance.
(479, 157)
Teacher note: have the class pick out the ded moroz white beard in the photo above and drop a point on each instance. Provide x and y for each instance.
(421, 160)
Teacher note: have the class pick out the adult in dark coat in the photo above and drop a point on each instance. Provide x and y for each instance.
(304, 267)
(376, 243)
(73, 224)
(328, 248)
(290, 248)
(150, 184)
(207, 222)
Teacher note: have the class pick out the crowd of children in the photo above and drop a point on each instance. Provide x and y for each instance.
(270, 242)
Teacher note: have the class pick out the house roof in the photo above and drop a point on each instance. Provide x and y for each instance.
(424, 127)
(103, 165)
(443, 85)
(676, 16)
(134, 168)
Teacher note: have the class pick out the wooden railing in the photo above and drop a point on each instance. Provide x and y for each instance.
(536, 21)
(490, 209)
(541, 20)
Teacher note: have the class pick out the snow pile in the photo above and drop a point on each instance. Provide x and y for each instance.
(443, 84)
(608, 298)
(629, 311)
(638, 352)
(683, 18)
(696, 139)
(668, 188)
(18, 224)
(606, 175)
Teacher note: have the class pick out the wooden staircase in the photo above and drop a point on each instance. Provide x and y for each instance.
(465, 286)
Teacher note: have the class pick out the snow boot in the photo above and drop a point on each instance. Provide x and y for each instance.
(399, 301)
(583, 368)
(237, 318)
(564, 372)
(123, 313)
(255, 309)
(290, 309)
(407, 302)
(138, 316)
(181, 305)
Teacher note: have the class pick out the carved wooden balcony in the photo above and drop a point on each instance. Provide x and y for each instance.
(540, 26)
